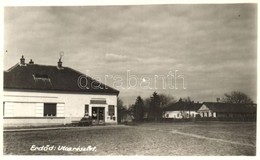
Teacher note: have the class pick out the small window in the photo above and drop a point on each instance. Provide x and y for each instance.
(41, 78)
(50, 109)
(44, 76)
(111, 110)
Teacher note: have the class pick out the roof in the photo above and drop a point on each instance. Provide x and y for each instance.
(229, 107)
(183, 106)
(51, 78)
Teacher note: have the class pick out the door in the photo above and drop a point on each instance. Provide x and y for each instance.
(98, 115)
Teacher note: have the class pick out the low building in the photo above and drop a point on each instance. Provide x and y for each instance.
(181, 110)
(37, 94)
(227, 110)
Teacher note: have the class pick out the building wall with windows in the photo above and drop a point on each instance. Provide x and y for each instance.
(36, 94)
(227, 111)
(180, 114)
(28, 108)
(204, 111)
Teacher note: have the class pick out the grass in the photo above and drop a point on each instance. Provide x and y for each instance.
(215, 138)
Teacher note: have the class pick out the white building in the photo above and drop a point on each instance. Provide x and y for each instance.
(227, 111)
(51, 95)
(181, 110)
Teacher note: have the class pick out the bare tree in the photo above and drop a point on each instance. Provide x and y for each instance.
(237, 98)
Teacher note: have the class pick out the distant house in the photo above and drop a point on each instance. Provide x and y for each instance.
(227, 110)
(37, 94)
(181, 110)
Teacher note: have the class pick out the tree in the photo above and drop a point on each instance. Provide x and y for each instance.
(155, 110)
(147, 103)
(186, 106)
(121, 110)
(138, 109)
(237, 98)
(166, 99)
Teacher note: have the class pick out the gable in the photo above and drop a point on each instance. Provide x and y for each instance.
(204, 108)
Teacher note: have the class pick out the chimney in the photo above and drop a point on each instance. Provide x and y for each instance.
(60, 64)
(31, 62)
(22, 61)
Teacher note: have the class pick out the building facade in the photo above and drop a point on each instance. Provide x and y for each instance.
(228, 111)
(37, 95)
(181, 110)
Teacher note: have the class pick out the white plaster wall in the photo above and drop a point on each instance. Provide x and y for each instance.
(173, 114)
(193, 113)
(73, 104)
(16, 122)
(24, 109)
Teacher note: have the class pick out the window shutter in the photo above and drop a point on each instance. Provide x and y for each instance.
(60, 110)
(39, 110)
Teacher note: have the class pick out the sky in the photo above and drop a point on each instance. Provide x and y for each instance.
(211, 49)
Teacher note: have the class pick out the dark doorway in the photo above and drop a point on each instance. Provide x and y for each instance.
(98, 115)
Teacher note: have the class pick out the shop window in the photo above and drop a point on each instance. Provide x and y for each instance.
(111, 110)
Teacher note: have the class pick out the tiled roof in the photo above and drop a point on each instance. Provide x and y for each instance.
(183, 106)
(229, 107)
(51, 78)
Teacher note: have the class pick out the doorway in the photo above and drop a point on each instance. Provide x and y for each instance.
(98, 116)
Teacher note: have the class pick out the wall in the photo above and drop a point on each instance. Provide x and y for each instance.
(204, 111)
(70, 107)
(179, 114)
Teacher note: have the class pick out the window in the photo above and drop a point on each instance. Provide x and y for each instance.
(86, 109)
(111, 110)
(40, 76)
(50, 109)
